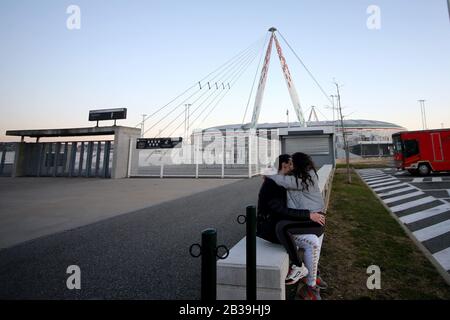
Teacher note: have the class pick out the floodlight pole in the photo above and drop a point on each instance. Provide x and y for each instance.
(142, 125)
(347, 151)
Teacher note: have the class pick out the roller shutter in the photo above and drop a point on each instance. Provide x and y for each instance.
(308, 145)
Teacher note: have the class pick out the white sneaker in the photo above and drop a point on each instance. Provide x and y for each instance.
(295, 274)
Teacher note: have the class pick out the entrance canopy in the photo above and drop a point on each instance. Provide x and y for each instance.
(69, 132)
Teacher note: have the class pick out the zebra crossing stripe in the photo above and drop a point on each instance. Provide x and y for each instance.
(397, 191)
(378, 183)
(410, 218)
(432, 231)
(389, 187)
(443, 257)
(393, 182)
(405, 196)
(417, 180)
(377, 178)
(373, 182)
(436, 179)
(412, 204)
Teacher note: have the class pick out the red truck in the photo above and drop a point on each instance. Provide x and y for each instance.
(421, 152)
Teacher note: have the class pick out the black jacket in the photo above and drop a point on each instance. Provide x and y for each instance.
(272, 208)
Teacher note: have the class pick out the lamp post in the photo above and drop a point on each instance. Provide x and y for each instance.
(142, 125)
(424, 116)
(186, 120)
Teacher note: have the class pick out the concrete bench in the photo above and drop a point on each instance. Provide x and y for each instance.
(272, 262)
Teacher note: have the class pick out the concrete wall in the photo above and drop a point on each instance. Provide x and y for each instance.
(19, 166)
(122, 138)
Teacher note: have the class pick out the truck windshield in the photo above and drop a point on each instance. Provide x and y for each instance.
(411, 148)
(397, 144)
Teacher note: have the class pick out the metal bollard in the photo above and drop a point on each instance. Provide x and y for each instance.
(250, 241)
(209, 252)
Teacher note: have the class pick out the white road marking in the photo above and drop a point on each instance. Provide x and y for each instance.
(374, 180)
(448, 191)
(371, 183)
(379, 184)
(412, 204)
(377, 178)
(437, 179)
(417, 180)
(374, 177)
(443, 257)
(388, 187)
(405, 196)
(400, 173)
(432, 231)
(397, 191)
(410, 218)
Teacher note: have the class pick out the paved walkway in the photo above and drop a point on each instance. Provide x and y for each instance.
(139, 255)
(35, 207)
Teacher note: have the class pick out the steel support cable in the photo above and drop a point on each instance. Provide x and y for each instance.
(243, 52)
(217, 96)
(250, 51)
(245, 66)
(232, 79)
(238, 77)
(229, 76)
(176, 107)
(322, 113)
(306, 68)
(215, 92)
(256, 75)
(232, 66)
(206, 77)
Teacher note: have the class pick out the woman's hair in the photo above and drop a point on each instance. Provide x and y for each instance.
(303, 164)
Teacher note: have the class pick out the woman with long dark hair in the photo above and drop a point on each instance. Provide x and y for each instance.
(303, 192)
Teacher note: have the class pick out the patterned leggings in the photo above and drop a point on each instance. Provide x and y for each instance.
(312, 245)
(307, 235)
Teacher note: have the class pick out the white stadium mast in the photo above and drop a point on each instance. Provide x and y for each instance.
(262, 83)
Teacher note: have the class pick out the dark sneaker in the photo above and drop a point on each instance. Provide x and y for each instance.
(309, 293)
(295, 274)
(321, 284)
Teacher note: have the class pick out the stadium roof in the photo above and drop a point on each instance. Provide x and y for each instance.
(347, 123)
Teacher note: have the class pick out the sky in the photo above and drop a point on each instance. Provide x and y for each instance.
(142, 54)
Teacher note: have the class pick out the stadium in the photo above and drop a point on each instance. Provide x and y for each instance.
(366, 138)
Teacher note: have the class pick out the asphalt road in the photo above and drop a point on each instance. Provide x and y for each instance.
(140, 255)
(436, 184)
(35, 207)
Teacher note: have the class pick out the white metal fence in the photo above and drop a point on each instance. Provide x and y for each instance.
(211, 153)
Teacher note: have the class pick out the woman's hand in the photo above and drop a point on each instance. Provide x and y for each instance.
(317, 217)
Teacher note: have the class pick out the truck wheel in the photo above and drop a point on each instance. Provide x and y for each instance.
(424, 169)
